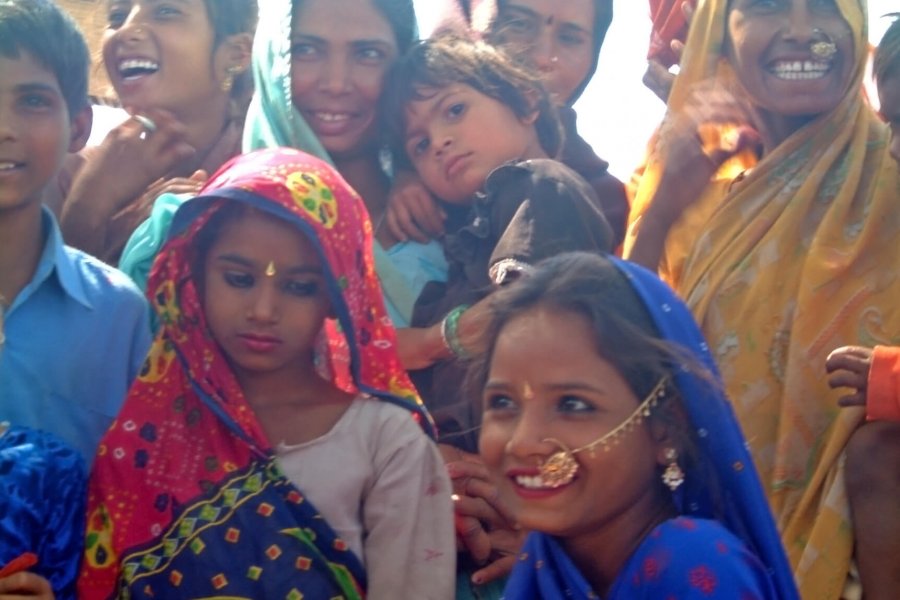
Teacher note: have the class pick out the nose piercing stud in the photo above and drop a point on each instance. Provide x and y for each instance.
(270, 269)
(823, 49)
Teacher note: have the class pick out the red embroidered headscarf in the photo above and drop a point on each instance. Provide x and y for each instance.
(186, 426)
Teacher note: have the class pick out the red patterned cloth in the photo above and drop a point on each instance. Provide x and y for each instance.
(187, 445)
(668, 24)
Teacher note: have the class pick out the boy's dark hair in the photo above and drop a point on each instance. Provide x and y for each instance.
(400, 14)
(887, 57)
(52, 38)
(449, 59)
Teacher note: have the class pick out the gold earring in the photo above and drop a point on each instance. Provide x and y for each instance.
(228, 82)
(673, 476)
(270, 269)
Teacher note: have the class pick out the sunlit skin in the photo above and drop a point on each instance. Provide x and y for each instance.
(556, 37)
(341, 50)
(446, 141)
(265, 301)
(767, 39)
(36, 131)
(889, 101)
(160, 55)
(562, 388)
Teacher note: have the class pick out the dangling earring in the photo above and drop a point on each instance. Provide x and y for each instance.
(673, 476)
(228, 82)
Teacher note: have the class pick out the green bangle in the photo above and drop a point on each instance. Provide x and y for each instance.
(450, 332)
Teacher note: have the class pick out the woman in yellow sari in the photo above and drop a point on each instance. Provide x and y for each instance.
(770, 205)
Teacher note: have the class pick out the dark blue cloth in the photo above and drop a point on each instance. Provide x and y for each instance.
(42, 505)
(722, 485)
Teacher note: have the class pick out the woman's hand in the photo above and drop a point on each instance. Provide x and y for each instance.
(484, 525)
(129, 160)
(658, 78)
(24, 584)
(412, 212)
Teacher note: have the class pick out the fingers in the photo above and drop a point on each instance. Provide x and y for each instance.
(400, 223)
(26, 583)
(474, 538)
(853, 358)
(426, 212)
(857, 399)
(658, 79)
(687, 9)
(498, 569)
(846, 378)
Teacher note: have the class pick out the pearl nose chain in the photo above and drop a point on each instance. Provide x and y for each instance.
(560, 469)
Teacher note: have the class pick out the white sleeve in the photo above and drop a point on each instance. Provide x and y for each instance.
(409, 543)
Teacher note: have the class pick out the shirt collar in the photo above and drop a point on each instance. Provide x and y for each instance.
(55, 259)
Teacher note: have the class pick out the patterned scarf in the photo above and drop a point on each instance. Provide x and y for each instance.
(781, 267)
(185, 495)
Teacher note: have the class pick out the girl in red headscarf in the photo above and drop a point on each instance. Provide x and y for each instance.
(273, 445)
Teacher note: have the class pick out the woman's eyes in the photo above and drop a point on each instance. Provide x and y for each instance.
(498, 402)
(304, 50)
(294, 287)
(371, 55)
(564, 405)
(572, 38)
(574, 404)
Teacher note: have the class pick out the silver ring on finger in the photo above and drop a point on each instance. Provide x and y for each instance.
(147, 123)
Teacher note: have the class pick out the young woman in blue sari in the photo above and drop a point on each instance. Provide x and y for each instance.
(611, 441)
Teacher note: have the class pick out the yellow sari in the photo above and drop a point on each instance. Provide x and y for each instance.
(794, 259)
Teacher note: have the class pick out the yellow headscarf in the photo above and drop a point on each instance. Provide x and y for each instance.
(795, 259)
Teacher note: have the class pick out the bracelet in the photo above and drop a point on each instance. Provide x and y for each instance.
(450, 332)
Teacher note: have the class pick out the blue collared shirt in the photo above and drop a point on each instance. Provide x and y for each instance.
(76, 336)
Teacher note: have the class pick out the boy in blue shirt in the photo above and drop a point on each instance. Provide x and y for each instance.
(73, 331)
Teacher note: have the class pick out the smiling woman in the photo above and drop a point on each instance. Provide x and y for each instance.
(778, 238)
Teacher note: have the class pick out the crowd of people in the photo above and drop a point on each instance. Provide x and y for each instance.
(339, 312)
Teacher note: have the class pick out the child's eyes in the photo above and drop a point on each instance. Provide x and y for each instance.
(301, 289)
(237, 279)
(455, 110)
(165, 11)
(418, 147)
(36, 101)
(116, 17)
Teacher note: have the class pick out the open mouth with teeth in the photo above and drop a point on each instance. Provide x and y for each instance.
(800, 70)
(8, 165)
(134, 68)
(536, 483)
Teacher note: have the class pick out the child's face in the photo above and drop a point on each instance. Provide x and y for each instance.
(458, 135)
(341, 50)
(561, 388)
(160, 55)
(35, 130)
(889, 98)
(264, 296)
